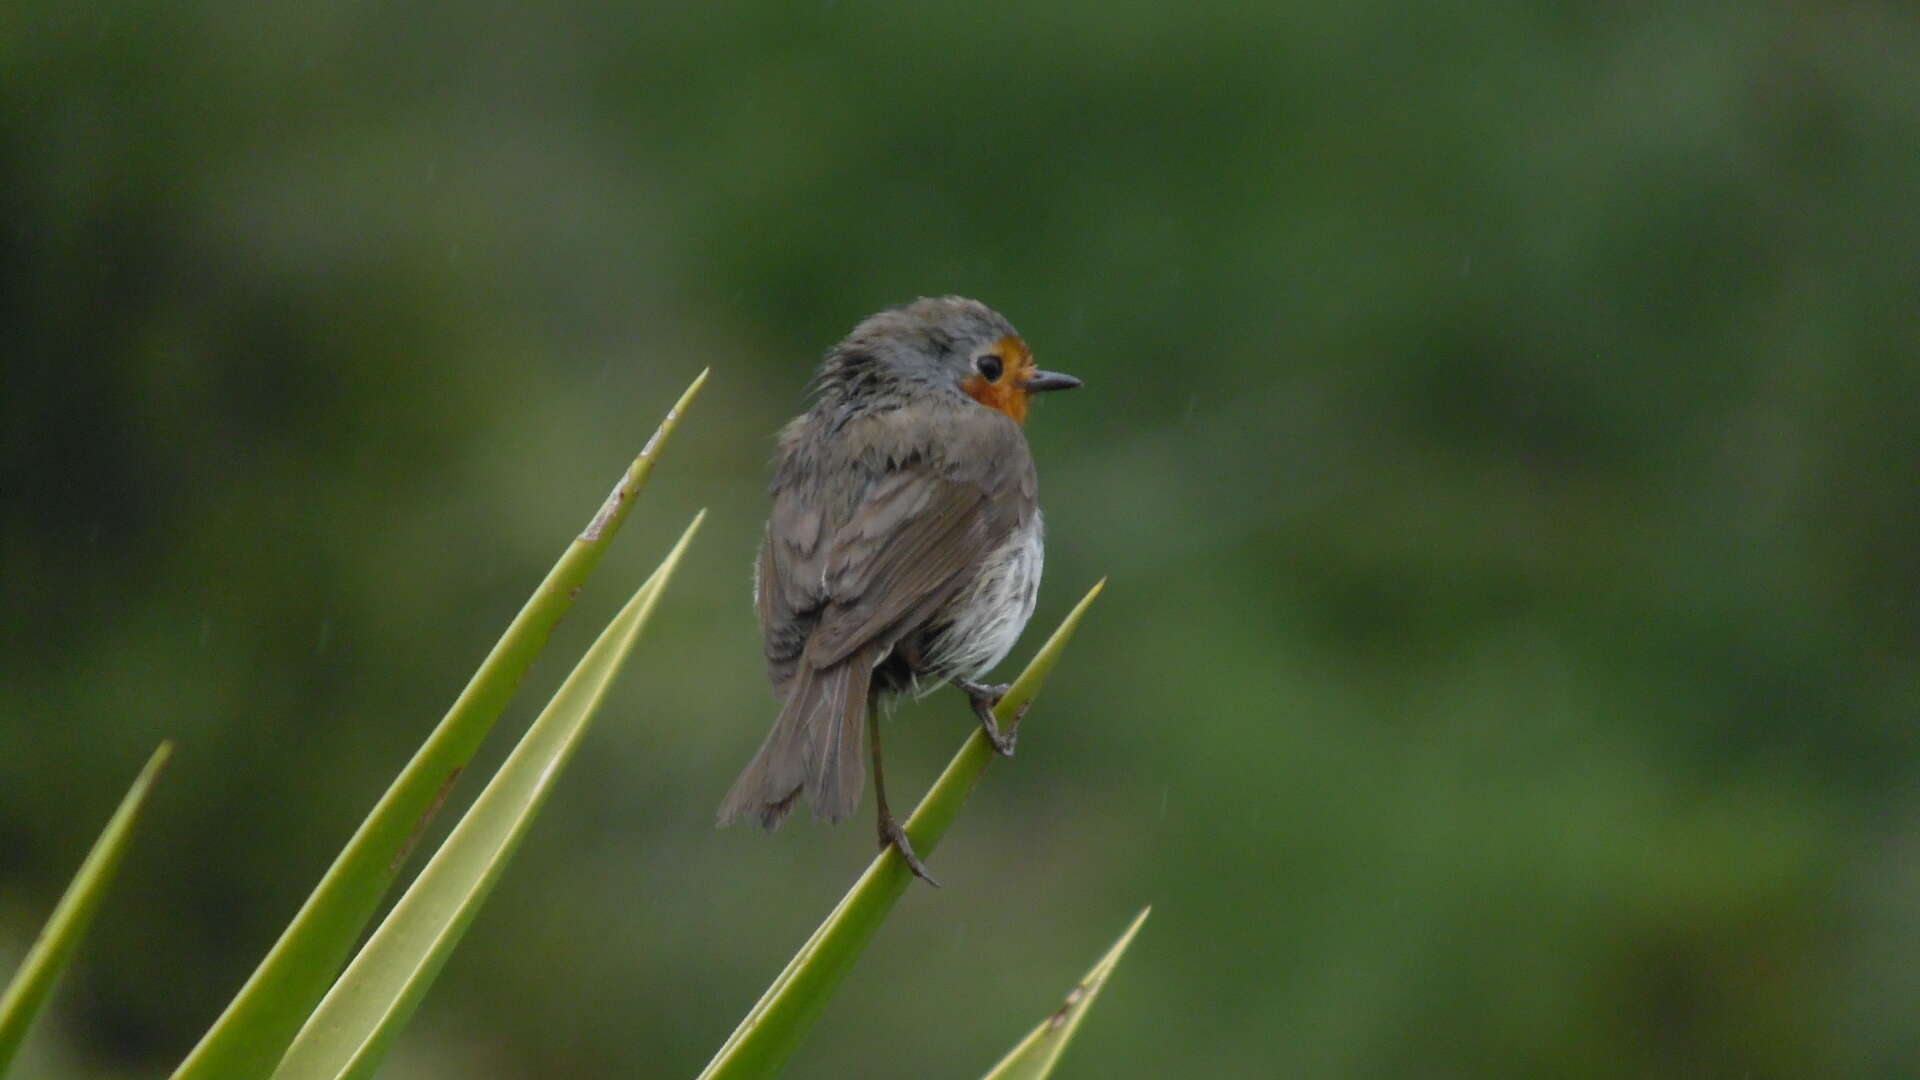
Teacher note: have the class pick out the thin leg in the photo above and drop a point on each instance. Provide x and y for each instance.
(984, 697)
(890, 831)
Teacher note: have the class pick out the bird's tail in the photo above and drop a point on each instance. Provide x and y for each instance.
(817, 745)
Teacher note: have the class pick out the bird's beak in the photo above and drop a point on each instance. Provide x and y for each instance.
(1050, 380)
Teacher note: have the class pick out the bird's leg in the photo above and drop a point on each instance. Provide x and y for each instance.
(984, 697)
(890, 831)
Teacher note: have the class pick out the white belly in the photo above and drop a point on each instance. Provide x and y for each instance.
(986, 618)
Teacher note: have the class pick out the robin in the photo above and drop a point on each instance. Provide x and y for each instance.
(903, 551)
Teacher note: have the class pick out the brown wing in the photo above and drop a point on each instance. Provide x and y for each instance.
(903, 556)
(875, 551)
(788, 583)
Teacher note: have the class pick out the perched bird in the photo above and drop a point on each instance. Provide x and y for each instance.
(904, 548)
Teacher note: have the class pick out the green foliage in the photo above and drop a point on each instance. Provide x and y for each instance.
(254, 1031)
(31, 985)
(1037, 1054)
(777, 1023)
(351, 1031)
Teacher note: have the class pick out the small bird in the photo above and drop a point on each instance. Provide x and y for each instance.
(904, 548)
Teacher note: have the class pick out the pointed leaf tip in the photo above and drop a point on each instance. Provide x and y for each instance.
(613, 510)
(686, 396)
(27, 992)
(1036, 1055)
(1027, 686)
(686, 537)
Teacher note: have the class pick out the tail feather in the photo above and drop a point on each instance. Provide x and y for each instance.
(817, 745)
(837, 771)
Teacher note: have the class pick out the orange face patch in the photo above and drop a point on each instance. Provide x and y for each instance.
(1008, 393)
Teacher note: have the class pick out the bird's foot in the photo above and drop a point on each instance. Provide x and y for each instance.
(985, 697)
(892, 835)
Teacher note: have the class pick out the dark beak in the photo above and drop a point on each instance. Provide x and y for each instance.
(1050, 380)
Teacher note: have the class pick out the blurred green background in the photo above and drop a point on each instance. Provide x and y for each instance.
(1500, 431)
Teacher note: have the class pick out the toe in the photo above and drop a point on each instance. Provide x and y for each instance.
(900, 844)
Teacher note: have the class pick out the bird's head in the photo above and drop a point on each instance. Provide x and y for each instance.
(946, 345)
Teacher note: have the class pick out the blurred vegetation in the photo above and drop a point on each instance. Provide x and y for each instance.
(1499, 431)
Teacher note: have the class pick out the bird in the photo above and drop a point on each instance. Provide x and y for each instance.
(903, 550)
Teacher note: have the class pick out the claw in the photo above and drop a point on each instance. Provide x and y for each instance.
(984, 697)
(892, 835)
(1003, 741)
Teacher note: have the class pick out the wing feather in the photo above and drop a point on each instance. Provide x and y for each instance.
(886, 539)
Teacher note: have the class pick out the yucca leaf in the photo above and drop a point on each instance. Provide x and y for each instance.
(1036, 1055)
(48, 957)
(355, 1024)
(773, 1029)
(250, 1036)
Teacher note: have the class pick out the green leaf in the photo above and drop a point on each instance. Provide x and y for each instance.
(349, 1034)
(1036, 1055)
(771, 1032)
(68, 924)
(248, 1039)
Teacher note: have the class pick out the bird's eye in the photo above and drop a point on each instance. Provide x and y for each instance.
(989, 366)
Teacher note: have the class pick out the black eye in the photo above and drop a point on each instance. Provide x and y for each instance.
(989, 366)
